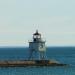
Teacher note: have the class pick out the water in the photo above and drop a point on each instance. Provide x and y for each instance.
(62, 54)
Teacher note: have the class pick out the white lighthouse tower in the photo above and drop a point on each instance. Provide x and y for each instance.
(37, 47)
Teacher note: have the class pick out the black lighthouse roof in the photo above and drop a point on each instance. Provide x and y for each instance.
(36, 33)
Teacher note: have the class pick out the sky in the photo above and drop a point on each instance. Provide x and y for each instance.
(54, 19)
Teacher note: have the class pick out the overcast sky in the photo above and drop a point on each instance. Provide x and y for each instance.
(55, 20)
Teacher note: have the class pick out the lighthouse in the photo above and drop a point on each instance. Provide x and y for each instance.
(37, 48)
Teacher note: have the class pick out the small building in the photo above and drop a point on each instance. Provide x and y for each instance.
(37, 47)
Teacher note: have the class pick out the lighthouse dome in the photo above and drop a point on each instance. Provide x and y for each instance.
(36, 33)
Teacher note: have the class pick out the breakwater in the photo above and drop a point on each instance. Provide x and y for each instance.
(23, 63)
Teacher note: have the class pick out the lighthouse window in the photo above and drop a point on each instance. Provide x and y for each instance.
(37, 36)
(34, 36)
(34, 39)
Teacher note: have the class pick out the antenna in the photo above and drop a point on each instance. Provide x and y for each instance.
(36, 26)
